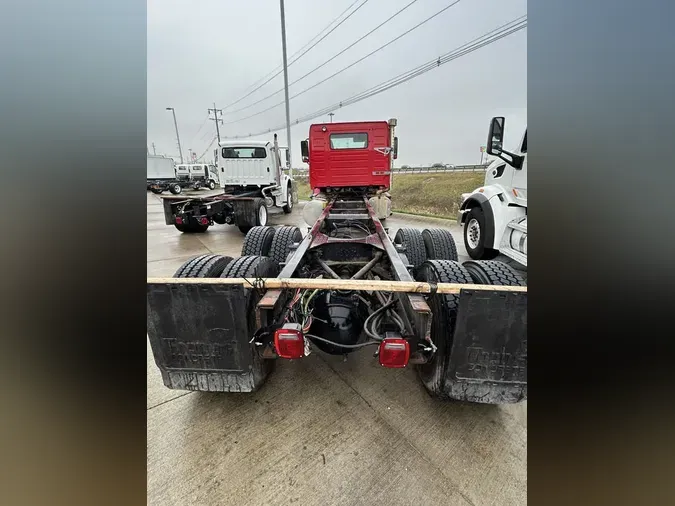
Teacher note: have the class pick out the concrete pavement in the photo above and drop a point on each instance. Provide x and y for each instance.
(322, 430)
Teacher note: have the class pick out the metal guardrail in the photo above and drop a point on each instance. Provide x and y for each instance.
(418, 170)
(424, 170)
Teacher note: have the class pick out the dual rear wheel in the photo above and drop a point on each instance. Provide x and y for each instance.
(434, 374)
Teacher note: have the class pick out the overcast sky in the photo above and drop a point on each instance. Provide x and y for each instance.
(201, 51)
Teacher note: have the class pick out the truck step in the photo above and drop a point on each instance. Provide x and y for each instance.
(517, 226)
(516, 255)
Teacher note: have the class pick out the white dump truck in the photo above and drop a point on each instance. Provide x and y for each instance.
(494, 216)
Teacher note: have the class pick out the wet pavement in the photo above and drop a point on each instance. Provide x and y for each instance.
(322, 430)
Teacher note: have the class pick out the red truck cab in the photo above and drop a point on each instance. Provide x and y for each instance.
(350, 155)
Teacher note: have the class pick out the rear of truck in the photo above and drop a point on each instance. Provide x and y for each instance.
(345, 287)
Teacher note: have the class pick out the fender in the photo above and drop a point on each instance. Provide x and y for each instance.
(482, 201)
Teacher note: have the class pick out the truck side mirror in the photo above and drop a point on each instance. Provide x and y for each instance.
(395, 148)
(496, 136)
(304, 150)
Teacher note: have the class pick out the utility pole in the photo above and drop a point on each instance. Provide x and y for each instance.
(331, 116)
(288, 110)
(190, 151)
(154, 151)
(175, 123)
(216, 119)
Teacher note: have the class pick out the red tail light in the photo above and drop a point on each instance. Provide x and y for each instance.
(394, 352)
(204, 221)
(179, 220)
(289, 341)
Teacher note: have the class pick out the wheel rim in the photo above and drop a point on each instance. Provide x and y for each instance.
(473, 233)
(290, 199)
(262, 215)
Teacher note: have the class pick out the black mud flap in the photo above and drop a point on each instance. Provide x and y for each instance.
(169, 215)
(199, 336)
(488, 361)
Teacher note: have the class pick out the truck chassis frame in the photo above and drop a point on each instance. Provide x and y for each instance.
(206, 336)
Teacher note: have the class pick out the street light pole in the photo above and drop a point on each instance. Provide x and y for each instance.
(288, 109)
(175, 123)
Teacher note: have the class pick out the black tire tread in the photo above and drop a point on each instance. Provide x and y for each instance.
(258, 241)
(439, 244)
(250, 267)
(246, 266)
(257, 202)
(283, 238)
(411, 239)
(288, 209)
(444, 271)
(203, 266)
(493, 272)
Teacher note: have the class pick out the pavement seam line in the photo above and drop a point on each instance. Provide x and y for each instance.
(410, 443)
(169, 400)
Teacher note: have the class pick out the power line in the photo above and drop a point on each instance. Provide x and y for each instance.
(300, 56)
(484, 40)
(200, 129)
(208, 147)
(338, 54)
(280, 67)
(339, 71)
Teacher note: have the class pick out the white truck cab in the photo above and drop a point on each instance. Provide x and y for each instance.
(197, 175)
(495, 215)
(250, 166)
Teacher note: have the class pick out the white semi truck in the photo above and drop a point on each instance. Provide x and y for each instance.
(494, 216)
(252, 176)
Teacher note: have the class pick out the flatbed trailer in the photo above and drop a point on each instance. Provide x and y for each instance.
(221, 323)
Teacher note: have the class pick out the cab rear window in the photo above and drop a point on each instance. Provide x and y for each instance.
(348, 141)
(244, 152)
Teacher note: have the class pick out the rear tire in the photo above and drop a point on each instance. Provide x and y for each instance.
(411, 239)
(203, 266)
(492, 272)
(251, 267)
(439, 244)
(258, 241)
(474, 236)
(289, 199)
(444, 307)
(175, 189)
(260, 210)
(156, 191)
(284, 238)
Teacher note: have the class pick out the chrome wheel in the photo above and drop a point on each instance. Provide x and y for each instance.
(473, 233)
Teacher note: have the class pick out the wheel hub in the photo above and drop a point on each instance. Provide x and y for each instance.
(473, 233)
